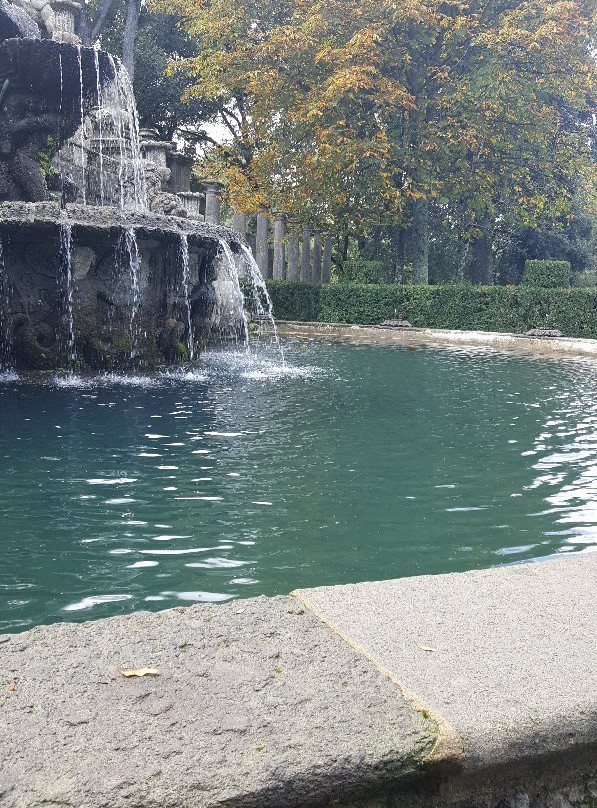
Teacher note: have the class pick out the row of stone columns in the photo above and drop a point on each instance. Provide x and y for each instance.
(299, 254)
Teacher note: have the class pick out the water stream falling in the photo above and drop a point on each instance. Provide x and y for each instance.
(184, 264)
(82, 129)
(5, 323)
(119, 112)
(128, 260)
(66, 288)
(234, 300)
(260, 296)
(100, 125)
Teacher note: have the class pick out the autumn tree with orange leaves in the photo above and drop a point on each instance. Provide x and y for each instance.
(376, 113)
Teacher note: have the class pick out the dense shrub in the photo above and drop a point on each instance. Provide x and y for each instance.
(573, 311)
(360, 271)
(293, 300)
(546, 274)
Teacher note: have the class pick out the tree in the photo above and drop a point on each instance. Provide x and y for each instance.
(94, 19)
(346, 110)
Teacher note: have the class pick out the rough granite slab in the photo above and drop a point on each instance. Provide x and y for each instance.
(257, 703)
(508, 656)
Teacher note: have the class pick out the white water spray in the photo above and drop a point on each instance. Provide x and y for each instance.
(236, 300)
(100, 113)
(82, 129)
(128, 259)
(184, 264)
(66, 288)
(260, 296)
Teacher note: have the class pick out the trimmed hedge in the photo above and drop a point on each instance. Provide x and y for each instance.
(572, 311)
(546, 274)
(360, 271)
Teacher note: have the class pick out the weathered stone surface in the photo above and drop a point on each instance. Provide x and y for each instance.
(506, 655)
(543, 332)
(102, 289)
(256, 703)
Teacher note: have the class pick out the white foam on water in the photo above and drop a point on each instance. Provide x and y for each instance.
(94, 600)
(70, 380)
(140, 564)
(128, 380)
(9, 376)
(184, 375)
(110, 480)
(200, 597)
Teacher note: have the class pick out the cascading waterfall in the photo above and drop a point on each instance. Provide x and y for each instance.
(118, 112)
(128, 259)
(82, 129)
(5, 324)
(184, 265)
(66, 288)
(100, 108)
(260, 296)
(235, 301)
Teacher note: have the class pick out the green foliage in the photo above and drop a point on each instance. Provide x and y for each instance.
(546, 274)
(361, 271)
(44, 157)
(573, 311)
(159, 41)
(295, 301)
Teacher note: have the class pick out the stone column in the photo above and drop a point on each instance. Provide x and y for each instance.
(180, 166)
(157, 152)
(192, 203)
(306, 254)
(213, 191)
(316, 272)
(279, 233)
(62, 21)
(326, 270)
(261, 243)
(239, 224)
(292, 270)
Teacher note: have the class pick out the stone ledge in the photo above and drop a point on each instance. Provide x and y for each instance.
(257, 704)
(438, 337)
(474, 690)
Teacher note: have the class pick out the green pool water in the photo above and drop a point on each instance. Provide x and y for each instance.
(243, 478)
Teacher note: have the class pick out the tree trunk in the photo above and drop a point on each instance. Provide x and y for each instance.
(133, 9)
(399, 244)
(479, 260)
(419, 234)
(103, 12)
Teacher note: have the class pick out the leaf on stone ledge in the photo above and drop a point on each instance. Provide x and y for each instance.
(140, 672)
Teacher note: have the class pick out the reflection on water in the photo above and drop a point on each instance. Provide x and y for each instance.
(242, 476)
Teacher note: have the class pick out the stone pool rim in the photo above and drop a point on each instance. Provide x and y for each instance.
(500, 341)
(272, 702)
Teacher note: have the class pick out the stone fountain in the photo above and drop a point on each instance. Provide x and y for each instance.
(104, 258)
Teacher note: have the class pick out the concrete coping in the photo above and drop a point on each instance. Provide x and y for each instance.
(438, 337)
(471, 689)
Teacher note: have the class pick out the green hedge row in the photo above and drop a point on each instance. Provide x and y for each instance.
(546, 273)
(573, 311)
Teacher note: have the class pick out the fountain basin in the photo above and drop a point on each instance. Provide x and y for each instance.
(116, 314)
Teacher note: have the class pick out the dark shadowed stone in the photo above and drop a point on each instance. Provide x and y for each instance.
(543, 332)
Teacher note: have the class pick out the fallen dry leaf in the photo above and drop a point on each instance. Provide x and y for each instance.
(427, 648)
(141, 672)
(12, 688)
